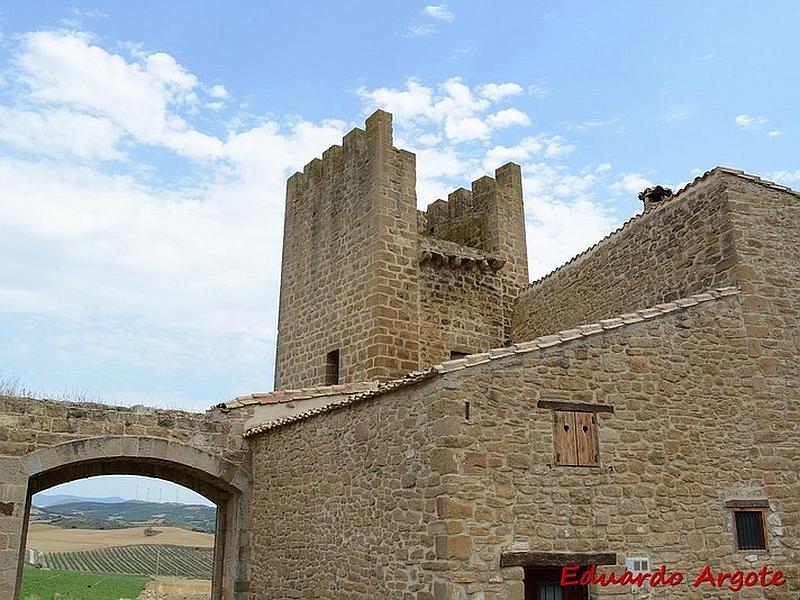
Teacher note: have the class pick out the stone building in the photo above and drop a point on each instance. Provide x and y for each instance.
(442, 429)
(638, 403)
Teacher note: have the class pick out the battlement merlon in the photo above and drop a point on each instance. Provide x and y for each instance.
(373, 141)
(490, 217)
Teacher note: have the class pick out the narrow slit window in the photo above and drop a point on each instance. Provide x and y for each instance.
(750, 530)
(456, 354)
(332, 368)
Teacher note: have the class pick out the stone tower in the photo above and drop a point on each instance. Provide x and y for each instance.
(372, 288)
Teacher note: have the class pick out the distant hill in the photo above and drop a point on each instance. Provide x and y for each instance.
(94, 514)
(43, 500)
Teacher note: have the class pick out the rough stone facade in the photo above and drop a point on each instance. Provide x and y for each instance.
(449, 484)
(681, 247)
(670, 349)
(44, 443)
(409, 498)
(390, 290)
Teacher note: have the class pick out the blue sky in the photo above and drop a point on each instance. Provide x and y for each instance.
(144, 148)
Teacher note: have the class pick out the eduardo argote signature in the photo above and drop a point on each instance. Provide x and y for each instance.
(732, 580)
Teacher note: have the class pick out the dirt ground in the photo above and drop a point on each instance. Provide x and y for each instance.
(150, 595)
(171, 588)
(48, 538)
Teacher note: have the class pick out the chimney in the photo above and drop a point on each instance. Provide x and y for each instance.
(654, 196)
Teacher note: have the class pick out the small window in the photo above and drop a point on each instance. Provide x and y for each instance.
(637, 564)
(750, 530)
(456, 354)
(332, 368)
(575, 437)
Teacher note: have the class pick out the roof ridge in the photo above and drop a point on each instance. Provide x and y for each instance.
(539, 343)
(295, 394)
(586, 330)
(406, 380)
(697, 180)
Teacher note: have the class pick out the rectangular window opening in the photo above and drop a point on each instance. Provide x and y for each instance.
(456, 354)
(332, 367)
(575, 435)
(750, 534)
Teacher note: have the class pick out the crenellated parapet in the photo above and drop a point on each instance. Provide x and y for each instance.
(350, 236)
(372, 288)
(359, 148)
(488, 217)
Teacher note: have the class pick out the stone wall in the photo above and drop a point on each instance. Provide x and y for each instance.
(468, 291)
(352, 278)
(409, 497)
(682, 247)
(766, 227)
(348, 276)
(694, 425)
(460, 310)
(343, 502)
(27, 425)
(44, 443)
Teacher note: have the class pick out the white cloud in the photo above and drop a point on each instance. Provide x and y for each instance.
(539, 90)
(673, 113)
(466, 128)
(139, 98)
(439, 12)
(418, 29)
(530, 147)
(112, 254)
(596, 124)
(786, 177)
(218, 91)
(497, 91)
(631, 183)
(508, 117)
(425, 25)
(60, 131)
(563, 215)
(460, 111)
(749, 122)
(774, 133)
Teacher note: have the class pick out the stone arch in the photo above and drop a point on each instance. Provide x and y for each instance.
(223, 482)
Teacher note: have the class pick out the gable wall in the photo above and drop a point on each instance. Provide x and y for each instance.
(682, 248)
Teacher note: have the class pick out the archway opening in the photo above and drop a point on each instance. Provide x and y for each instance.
(222, 483)
(119, 536)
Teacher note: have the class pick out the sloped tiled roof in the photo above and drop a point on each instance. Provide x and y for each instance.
(496, 354)
(675, 198)
(283, 396)
(379, 389)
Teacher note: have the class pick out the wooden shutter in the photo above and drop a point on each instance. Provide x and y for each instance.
(565, 441)
(586, 434)
(575, 437)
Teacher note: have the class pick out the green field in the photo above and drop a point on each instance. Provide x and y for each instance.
(178, 561)
(38, 584)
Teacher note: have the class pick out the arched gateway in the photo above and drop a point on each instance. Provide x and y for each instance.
(199, 451)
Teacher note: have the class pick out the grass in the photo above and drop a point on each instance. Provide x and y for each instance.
(38, 584)
(178, 561)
